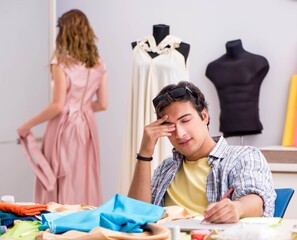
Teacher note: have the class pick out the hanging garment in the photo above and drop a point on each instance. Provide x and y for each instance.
(291, 120)
(149, 76)
(70, 143)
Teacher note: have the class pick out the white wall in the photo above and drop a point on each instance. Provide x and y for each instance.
(24, 88)
(266, 27)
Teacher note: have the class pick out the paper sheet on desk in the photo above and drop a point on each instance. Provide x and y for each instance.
(270, 221)
(187, 225)
(192, 224)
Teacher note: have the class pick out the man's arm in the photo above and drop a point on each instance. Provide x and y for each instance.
(227, 211)
(253, 194)
(140, 187)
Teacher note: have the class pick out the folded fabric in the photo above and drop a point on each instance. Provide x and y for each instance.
(152, 231)
(23, 210)
(38, 162)
(120, 213)
(7, 218)
(22, 230)
(48, 219)
(57, 207)
(176, 212)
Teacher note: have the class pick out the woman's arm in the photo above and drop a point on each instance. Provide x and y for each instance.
(101, 102)
(54, 108)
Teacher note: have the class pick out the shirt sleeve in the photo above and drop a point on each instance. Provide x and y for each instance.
(252, 175)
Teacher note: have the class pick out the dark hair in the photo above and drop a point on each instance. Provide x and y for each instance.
(196, 98)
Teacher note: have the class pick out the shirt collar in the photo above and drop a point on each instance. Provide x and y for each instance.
(217, 152)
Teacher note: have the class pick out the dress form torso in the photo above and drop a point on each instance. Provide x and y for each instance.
(156, 62)
(237, 76)
(160, 31)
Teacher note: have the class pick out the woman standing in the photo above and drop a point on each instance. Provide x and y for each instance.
(70, 143)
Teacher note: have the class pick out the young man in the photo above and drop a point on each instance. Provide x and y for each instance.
(201, 169)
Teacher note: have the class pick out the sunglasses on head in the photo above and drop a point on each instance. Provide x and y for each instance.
(174, 93)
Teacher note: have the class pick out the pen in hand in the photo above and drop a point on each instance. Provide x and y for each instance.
(225, 196)
(227, 193)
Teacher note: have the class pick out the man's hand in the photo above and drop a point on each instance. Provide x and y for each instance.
(227, 211)
(140, 187)
(152, 132)
(224, 211)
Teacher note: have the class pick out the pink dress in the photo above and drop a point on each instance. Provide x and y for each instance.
(71, 145)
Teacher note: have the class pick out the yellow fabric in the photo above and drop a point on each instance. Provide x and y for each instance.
(188, 188)
(288, 135)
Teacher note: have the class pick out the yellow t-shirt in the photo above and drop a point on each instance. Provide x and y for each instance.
(188, 188)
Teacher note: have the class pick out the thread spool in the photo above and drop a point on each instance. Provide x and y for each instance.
(175, 233)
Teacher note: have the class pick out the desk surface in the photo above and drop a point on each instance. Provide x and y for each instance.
(285, 228)
(282, 230)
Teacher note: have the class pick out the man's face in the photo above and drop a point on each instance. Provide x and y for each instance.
(191, 132)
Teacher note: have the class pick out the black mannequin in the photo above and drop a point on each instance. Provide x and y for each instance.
(160, 31)
(237, 76)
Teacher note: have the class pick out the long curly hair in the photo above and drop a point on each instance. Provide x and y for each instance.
(76, 40)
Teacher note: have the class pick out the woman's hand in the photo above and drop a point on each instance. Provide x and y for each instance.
(23, 130)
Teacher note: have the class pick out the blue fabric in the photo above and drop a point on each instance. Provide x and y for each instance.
(47, 219)
(120, 213)
(7, 218)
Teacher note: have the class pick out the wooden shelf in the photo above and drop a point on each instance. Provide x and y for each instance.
(280, 154)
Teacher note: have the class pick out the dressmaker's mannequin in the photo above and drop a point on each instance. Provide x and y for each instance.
(158, 59)
(160, 31)
(237, 76)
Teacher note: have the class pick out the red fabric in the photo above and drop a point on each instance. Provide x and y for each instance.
(22, 210)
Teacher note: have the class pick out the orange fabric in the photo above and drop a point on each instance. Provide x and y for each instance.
(176, 212)
(57, 207)
(22, 210)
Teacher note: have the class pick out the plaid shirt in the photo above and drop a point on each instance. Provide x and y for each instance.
(242, 168)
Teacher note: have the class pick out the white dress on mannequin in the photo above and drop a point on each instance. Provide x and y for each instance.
(149, 76)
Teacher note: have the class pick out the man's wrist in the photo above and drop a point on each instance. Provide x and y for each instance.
(143, 158)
